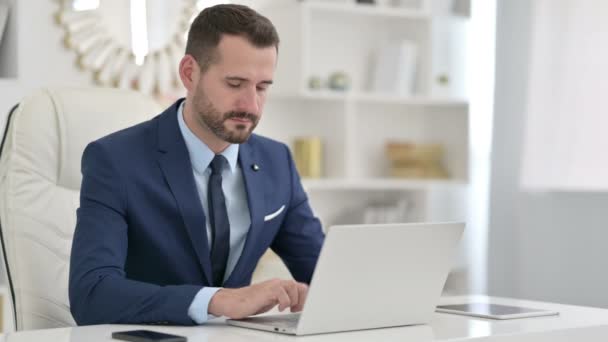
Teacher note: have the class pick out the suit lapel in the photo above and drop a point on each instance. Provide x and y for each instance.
(256, 201)
(175, 164)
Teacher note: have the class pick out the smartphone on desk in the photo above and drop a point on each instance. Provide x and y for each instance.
(146, 336)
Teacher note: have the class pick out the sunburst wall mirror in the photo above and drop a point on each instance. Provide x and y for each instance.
(130, 43)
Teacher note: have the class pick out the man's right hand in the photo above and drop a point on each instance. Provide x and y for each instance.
(258, 298)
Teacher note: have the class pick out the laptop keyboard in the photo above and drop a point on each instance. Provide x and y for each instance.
(280, 321)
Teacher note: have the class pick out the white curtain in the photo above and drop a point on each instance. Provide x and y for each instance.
(566, 140)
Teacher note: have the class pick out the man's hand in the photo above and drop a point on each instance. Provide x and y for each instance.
(259, 298)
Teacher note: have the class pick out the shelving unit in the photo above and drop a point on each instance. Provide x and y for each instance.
(318, 38)
(321, 37)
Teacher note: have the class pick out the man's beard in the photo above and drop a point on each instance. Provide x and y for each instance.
(215, 121)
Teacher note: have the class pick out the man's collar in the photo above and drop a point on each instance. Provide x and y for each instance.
(200, 154)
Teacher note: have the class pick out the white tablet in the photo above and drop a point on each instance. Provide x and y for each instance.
(494, 311)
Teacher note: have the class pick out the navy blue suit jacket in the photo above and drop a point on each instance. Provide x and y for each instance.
(140, 252)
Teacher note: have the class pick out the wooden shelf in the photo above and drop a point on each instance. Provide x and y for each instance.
(381, 184)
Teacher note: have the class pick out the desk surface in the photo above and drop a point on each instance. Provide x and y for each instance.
(574, 323)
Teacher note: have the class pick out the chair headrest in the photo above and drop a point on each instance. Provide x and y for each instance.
(55, 125)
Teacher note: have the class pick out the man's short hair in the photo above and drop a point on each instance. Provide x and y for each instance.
(208, 27)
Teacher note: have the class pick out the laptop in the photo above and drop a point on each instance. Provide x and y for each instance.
(371, 276)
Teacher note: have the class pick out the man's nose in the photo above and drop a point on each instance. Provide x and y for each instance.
(249, 101)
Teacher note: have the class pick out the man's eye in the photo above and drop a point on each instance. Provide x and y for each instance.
(234, 85)
(262, 88)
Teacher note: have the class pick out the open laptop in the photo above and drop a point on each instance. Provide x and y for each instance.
(371, 276)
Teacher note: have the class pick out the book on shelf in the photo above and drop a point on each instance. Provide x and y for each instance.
(409, 160)
(395, 68)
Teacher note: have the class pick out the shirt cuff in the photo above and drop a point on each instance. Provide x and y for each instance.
(198, 310)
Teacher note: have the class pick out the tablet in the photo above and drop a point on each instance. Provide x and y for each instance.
(494, 311)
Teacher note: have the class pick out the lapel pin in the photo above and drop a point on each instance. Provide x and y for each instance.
(255, 167)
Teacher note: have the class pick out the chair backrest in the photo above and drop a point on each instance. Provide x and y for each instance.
(39, 190)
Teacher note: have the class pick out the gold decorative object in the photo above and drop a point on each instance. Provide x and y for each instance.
(308, 155)
(443, 79)
(339, 80)
(315, 83)
(129, 43)
(410, 160)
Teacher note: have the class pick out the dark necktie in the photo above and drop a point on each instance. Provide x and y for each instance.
(218, 219)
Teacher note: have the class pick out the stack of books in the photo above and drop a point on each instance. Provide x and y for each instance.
(409, 160)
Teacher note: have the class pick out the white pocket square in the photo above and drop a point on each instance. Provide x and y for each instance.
(275, 214)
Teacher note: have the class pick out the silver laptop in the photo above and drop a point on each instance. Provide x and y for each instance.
(371, 276)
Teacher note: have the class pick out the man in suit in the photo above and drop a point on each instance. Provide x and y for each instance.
(176, 212)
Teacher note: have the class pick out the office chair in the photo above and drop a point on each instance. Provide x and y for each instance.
(40, 180)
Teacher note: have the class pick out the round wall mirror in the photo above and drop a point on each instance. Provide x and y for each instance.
(130, 43)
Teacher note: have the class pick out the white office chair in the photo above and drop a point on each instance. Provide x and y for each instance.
(39, 190)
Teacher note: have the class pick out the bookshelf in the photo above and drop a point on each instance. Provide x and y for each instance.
(322, 37)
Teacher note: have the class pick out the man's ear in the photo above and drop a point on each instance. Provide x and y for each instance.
(189, 72)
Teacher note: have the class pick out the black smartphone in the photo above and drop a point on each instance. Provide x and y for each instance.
(147, 336)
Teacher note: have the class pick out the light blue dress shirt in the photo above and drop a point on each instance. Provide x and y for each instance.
(236, 204)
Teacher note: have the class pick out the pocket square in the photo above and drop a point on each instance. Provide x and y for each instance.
(275, 214)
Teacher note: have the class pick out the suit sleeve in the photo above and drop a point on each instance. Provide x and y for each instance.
(99, 291)
(301, 236)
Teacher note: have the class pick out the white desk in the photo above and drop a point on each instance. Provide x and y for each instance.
(573, 324)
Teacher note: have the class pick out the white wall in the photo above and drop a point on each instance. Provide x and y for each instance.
(565, 120)
(42, 60)
(545, 246)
